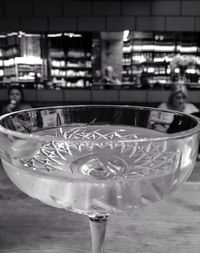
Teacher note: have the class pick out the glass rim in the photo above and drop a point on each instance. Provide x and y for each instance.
(34, 136)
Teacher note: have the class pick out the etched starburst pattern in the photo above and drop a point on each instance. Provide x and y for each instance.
(84, 133)
(103, 159)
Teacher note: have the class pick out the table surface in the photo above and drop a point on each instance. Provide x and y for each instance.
(172, 225)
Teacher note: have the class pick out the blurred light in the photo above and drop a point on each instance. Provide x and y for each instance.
(54, 35)
(125, 35)
(71, 35)
(164, 48)
(1, 72)
(154, 48)
(11, 34)
(148, 47)
(159, 37)
(168, 58)
(191, 71)
(127, 49)
(139, 58)
(168, 70)
(191, 49)
(28, 60)
(159, 59)
(9, 62)
(151, 70)
(33, 35)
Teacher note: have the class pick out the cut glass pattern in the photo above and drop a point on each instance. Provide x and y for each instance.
(104, 159)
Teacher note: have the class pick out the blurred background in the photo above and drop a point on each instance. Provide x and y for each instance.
(116, 52)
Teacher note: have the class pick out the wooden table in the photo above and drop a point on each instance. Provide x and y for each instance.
(171, 226)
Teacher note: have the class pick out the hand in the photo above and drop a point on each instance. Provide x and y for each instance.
(11, 106)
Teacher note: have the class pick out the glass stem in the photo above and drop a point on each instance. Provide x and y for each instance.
(98, 231)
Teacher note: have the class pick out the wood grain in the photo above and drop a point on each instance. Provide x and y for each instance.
(171, 226)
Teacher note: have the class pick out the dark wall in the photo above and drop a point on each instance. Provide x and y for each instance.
(88, 15)
(83, 96)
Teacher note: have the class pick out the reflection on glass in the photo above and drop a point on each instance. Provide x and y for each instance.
(160, 120)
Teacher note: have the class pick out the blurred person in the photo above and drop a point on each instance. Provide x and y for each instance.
(177, 101)
(110, 77)
(16, 100)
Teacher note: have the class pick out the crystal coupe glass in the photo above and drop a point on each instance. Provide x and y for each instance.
(98, 160)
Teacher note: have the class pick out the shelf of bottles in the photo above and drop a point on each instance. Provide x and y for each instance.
(147, 61)
(23, 70)
(1, 66)
(8, 48)
(15, 68)
(70, 63)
